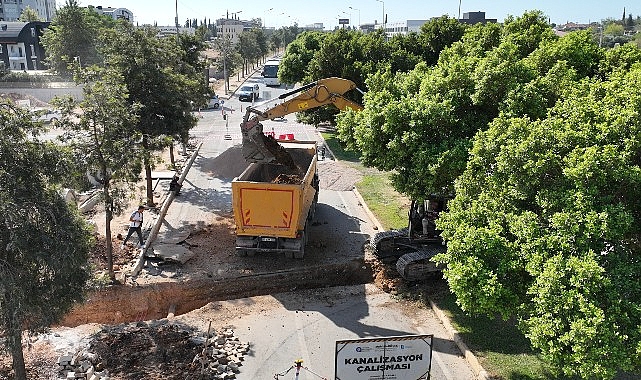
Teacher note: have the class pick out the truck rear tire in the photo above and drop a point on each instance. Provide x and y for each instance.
(301, 252)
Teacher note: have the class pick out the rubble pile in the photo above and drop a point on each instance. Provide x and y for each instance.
(156, 350)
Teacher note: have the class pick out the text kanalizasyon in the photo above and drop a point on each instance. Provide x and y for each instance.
(383, 363)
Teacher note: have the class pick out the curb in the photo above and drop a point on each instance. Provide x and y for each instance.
(471, 359)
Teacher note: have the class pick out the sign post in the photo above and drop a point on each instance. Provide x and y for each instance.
(387, 358)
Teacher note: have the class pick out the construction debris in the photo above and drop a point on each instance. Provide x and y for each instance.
(157, 349)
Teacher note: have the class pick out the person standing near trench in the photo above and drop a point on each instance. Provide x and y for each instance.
(135, 225)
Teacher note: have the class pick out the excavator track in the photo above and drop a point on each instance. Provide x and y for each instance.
(417, 265)
(383, 246)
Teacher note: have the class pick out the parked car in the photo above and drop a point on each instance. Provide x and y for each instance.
(248, 92)
(214, 102)
(46, 116)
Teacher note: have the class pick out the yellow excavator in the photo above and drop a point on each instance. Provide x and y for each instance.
(260, 148)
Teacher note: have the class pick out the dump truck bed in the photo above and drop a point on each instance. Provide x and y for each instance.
(273, 201)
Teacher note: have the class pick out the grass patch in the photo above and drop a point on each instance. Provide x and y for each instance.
(334, 144)
(389, 206)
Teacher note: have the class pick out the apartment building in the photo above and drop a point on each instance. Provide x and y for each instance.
(10, 10)
(20, 47)
(115, 13)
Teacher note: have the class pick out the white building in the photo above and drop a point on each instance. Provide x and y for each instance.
(171, 30)
(115, 13)
(409, 26)
(10, 10)
(232, 28)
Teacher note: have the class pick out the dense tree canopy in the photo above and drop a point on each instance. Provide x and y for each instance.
(540, 136)
(44, 245)
(73, 37)
(160, 76)
(545, 226)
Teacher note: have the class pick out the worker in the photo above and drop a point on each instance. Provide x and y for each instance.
(175, 186)
(135, 225)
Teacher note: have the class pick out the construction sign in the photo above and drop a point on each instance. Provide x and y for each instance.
(390, 358)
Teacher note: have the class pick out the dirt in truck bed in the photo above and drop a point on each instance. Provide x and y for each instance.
(274, 173)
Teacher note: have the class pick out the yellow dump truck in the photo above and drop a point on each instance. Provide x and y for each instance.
(273, 204)
(275, 197)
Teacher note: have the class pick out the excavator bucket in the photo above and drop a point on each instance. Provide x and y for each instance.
(264, 149)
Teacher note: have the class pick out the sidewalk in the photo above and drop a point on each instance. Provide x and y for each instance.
(234, 84)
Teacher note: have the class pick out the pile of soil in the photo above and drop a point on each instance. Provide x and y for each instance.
(139, 351)
(34, 102)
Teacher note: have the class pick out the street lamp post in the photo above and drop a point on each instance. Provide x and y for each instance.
(359, 16)
(265, 21)
(383, 20)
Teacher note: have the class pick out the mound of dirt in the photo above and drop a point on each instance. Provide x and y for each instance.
(33, 102)
(227, 165)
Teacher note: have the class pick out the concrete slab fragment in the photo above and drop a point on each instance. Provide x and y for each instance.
(171, 253)
(173, 237)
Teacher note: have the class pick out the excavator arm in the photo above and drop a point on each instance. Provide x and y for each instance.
(257, 147)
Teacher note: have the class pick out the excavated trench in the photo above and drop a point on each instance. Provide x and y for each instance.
(124, 303)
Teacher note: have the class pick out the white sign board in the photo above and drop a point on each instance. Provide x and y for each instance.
(389, 358)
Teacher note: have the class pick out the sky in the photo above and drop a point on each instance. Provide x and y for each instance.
(277, 13)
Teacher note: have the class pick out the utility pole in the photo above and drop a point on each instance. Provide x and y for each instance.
(177, 30)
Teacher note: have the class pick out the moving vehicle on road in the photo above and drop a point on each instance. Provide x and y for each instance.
(270, 73)
(248, 92)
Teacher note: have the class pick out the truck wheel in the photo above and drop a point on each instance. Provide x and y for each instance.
(241, 252)
(301, 253)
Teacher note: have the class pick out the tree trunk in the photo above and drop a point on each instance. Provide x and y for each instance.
(108, 245)
(150, 190)
(15, 338)
(171, 155)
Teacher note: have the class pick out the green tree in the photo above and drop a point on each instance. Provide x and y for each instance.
(73, 36)
(160, 76)
(294, 65)
(261, 40)
(230, 58)
(276, 41)
(614, 29)
(437, 34)
(99, 131)
(29, 15)
(248, 49)
(579, 49)
(405, 52)
(44, 245)
(527, 32)
(544, 227)
(620, 58)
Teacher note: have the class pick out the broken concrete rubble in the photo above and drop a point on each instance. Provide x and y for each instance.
(134, 351)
